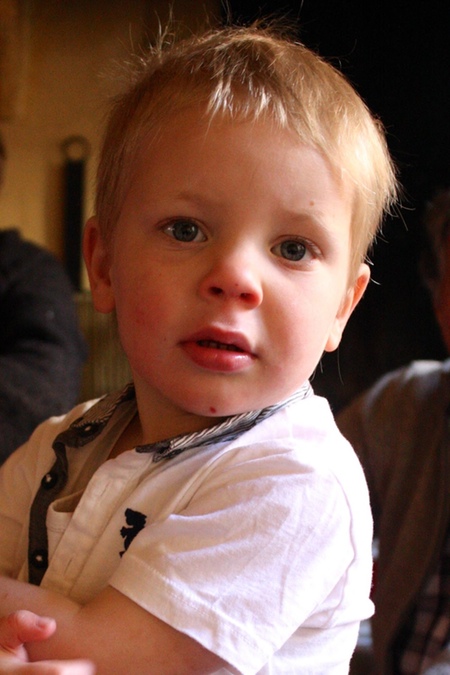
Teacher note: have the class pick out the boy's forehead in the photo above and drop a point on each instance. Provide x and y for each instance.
(198, 131)
(196, 126)
(194, 130)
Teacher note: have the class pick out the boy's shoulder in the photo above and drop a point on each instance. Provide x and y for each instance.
(310, 419)
(306, 431)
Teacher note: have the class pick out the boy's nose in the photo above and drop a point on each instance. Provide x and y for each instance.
(233, 279)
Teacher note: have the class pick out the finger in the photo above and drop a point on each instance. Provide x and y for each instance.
(24, 626)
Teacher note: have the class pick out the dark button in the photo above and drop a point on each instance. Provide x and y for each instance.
(39, 559)
(49, 481)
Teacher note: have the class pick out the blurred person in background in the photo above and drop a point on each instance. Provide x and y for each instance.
(400, 429)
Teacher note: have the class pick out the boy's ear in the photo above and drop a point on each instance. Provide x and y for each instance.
(351, 299)
(98, 264)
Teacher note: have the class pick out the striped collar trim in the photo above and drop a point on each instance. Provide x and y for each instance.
(86, 428)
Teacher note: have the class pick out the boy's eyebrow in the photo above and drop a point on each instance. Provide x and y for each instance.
(189, 196)
(314, 227)
(200, 197)
(214, 199)
(303, 216)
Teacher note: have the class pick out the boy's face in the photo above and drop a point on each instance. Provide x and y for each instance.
(228, 268)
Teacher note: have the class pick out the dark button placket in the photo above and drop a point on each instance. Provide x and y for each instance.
(51, 484)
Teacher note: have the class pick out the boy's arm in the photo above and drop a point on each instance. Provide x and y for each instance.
(111, 630)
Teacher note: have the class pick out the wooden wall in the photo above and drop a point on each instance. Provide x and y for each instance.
(56, 73)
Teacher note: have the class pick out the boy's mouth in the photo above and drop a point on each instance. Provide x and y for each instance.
(212, 344)
(223, 351)
(223, 340)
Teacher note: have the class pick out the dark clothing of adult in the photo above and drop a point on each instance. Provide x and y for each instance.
(41, 347)
(400, 429)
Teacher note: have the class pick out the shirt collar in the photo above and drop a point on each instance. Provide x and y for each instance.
(86, 428)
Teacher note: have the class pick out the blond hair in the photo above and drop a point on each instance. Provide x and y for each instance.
(252, 73)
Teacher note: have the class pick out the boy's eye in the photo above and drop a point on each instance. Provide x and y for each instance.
(185, 230)
(291, 249)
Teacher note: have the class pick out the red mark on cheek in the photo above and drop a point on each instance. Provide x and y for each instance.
(212, 411)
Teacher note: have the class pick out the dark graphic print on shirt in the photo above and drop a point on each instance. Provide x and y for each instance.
(136, 522)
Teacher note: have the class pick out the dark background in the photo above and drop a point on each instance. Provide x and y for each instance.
(397, 55)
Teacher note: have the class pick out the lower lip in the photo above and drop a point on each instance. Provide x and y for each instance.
(219, 360)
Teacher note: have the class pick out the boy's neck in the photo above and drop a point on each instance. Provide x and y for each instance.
(134, 434)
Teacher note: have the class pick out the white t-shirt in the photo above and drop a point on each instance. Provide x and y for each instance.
(259, 548)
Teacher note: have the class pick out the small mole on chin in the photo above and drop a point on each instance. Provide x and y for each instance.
(212, 410)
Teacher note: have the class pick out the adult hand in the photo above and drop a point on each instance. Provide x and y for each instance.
(21, 627)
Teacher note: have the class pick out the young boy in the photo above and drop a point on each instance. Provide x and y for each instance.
(210, 518)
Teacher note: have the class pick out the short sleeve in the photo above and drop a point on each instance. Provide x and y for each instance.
(266, 541)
